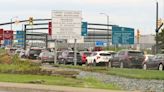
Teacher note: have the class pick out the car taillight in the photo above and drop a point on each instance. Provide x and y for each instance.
(84, 56)
(45, 57)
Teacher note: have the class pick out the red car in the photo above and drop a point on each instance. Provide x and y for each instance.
(84, 56)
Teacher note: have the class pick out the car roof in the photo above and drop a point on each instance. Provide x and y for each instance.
(149, 55)
(132, 50)
(102, 52)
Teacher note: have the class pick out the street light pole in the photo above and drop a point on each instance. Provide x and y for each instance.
(156, 30)
(107, 28)
(108, 32)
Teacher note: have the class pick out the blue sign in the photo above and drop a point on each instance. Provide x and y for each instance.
(20, 38)
(84, 31)
(19, 34)
(122, 35)
(7, 42)
(99, 43)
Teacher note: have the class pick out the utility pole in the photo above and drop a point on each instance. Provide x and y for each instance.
(75, 52)
(25, 37)
(107, 28)
(156, 27)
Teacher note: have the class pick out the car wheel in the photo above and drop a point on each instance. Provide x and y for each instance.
(109, 64)
(86, 63)
(94, 63)
(121, 65)
(145, 67)
(160, 68)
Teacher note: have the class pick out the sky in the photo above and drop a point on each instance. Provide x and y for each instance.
(137, 14)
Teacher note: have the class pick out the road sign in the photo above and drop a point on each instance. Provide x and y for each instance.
(8, 34)
(84, 31)
(7, 42)
(100, 43)
(20, 38)
(122, 35)
(49, 28)
(66, 24)
(1, 34)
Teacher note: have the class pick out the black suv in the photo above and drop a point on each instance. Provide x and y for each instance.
(33, 53)
(127, 59)
(67, 57)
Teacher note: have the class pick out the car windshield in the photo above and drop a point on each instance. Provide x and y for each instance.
(35, 51)
(71, 54)
(105, 54)
(87, 53)
(135, 53)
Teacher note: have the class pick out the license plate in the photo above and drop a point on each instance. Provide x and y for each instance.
(105, 58)
(35, 55)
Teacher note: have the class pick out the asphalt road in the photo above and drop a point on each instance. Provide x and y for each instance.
(19, 87)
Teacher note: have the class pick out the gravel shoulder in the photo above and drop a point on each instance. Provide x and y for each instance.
(129, 84)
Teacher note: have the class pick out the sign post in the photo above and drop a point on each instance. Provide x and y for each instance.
(66, 24)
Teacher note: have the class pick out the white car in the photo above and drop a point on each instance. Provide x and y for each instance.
(99, 57)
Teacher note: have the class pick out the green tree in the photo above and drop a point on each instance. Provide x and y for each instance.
(161, 39)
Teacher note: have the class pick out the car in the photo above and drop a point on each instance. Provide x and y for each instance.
(22, 54)
(18, 51)
(32, 53)
(98, 58)
(156, 62)
(84, 55)
(47, 57)
(67, 57)
(127, 59)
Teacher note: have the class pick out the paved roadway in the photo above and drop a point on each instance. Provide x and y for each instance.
(19, 87)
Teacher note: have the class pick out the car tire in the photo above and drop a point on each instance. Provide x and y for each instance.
(94, 63)
(86, 63)
(109, 64)
(144, 67)
(160, 68)
(121, 65)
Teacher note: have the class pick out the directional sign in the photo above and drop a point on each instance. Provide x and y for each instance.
(100, 43)
(122, 35)
(20, 38)
(84, 31)
(7, 42)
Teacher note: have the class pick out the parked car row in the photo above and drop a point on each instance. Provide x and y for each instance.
(121, 59)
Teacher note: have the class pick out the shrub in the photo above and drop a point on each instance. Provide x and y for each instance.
(17, 65)
(5, 59)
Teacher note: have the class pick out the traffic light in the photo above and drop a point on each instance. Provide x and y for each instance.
(30, 20)
(138, 34)
(159, 22)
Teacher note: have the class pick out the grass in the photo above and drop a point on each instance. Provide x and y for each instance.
(137, 73)
(57, 80)
(129, 73)
(2, 50)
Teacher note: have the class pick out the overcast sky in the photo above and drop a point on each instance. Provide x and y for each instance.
(138, 14)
